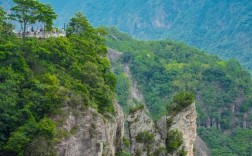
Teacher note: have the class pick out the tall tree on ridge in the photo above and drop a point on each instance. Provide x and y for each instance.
(31, 11)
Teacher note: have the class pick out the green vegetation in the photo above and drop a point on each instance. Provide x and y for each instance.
(183, 152)
(136, 108)
(219, 27)
(32, 11)
(180, 101)
(126, 142)
(160, 151)
(123, 153)
(147, 139)
(5, 28)
(237, 143)
(39, 77)
(164, 68)
(173, 141)
(122, 87)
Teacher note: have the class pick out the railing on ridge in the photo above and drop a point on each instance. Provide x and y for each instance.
(41, 35)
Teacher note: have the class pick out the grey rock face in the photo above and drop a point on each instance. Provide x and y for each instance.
(200, 148)
(93, 134)
(184, 122)
(139, 122)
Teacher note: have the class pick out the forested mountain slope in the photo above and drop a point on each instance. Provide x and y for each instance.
(222, 27)
(39, 77)
(57, 98)
(223, 88)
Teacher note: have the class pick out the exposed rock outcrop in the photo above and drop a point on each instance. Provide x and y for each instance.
(139, 122)
(91, 133)
(135, 95)
(184, 122)
(201, 148)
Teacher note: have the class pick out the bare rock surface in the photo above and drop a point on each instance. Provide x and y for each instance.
(140, 121)
(91, 133)
(201, 148)
(185, 122)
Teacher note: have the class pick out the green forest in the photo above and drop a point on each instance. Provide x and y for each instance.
(163, 68)
(40, 76)
(220, 27)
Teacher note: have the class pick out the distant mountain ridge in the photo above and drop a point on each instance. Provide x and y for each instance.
(221, 27)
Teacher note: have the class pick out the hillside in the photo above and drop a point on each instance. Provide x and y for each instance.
(40, 77)
(62, 96)
(57, 97)
(162, 68)
(220, 27)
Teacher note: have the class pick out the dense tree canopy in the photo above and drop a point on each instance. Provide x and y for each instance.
(223, 89)
(38, 76)
(5, 28)
(2, 14)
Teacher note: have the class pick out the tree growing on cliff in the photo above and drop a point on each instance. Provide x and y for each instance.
(145, 138)
(180, 101)
(173, 141)
(31, 11)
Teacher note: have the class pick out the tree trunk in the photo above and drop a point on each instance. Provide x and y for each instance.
(24, 30)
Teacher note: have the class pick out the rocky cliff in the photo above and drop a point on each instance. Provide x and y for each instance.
(141, 123)
(87, 132)
(200, 148)
(185, 122)
(92, 134)
(147, 137)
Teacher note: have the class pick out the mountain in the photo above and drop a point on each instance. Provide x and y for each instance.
(160, 69)
(221, 27)
(57, 97)
(41, 80)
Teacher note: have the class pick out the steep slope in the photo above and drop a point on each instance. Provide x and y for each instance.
(57, 96)
(40, 77)
(221, 27)
(163, 68)
(144, 136)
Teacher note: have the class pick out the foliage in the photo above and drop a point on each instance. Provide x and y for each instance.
(145, 137)
(31, 11)
(160, 151)
(21, 137)
(41, 146)
(38, 77)
(2, 15)
(183, 99)
(180, 101)
(5, 27)
(173, 140)
(237, 143)
(122, 89)
(79, 26)
(136, 108)
(126, 142)
(47, 127)
(183, 152)
(164, 68)
(114, 34)
(219, 27)
(123, 153)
